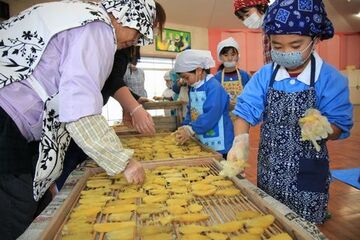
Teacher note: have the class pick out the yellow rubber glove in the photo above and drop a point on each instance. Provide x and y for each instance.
(314, 127)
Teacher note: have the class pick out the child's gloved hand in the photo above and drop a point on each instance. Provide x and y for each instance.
(314, 127)
(237, 157)
(240, 148)
(183, 134)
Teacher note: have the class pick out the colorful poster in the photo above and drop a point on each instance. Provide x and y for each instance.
(173, 40)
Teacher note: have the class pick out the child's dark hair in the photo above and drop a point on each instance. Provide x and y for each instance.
(241, 12)
(134, 54)
(207, 71)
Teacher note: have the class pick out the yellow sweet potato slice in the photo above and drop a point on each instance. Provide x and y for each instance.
(191, 217)
(153, 229)
(110, 227)
(123, 234)
(228, 227)
(228, 192)
(195, 208)
(119, 208)
(189, 229)
(262, 221)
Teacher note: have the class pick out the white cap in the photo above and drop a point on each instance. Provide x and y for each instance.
(229, 42)
(191, 59)
(167, 75)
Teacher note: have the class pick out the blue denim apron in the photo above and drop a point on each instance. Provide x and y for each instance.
(213, 138)
(290, 170)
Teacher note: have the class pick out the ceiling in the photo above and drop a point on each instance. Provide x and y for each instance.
(219, 13)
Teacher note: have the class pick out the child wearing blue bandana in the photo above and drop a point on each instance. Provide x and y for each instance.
(302, 102)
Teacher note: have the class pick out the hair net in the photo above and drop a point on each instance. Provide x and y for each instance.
(191, 59)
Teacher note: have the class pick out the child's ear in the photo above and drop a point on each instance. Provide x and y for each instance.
(199, 70)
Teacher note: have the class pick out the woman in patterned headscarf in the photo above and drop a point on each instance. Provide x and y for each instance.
(302, 102)
(55, 58)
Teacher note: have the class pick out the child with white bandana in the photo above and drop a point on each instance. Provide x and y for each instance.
(207, 116)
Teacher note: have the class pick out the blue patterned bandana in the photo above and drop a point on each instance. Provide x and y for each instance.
(302, 17)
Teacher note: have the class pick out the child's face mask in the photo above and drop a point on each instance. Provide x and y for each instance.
(254, 21)
(290, 60)
(230, 64)
(197, 81)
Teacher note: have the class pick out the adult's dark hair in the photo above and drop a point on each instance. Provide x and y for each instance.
(160, 17)
(134, 54)
(115, 80)
(241, 12)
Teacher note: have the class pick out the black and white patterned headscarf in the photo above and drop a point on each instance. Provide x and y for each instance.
(137, 14)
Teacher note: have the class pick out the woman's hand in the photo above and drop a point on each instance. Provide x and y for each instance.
(127, 119)
(134, 172)
(142, 122)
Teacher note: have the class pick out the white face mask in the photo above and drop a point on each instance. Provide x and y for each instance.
(253, 21)
(229, 64)
(196, 84)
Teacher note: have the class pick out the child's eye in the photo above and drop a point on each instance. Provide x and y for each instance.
(296, 47)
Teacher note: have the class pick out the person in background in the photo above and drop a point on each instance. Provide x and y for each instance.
(168, 93)
(207, 115)
(251, 13)
(302, 102)
(181, 90)
(51, 92)
(229, 75)
(135, 78)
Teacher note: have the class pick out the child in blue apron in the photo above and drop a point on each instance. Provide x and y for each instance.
(230, 77)
(207, 117)
(290, 168)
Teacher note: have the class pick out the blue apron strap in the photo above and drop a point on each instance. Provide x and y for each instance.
(313, 70)
(274, 74)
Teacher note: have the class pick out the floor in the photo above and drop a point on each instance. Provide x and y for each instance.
(344, 203)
